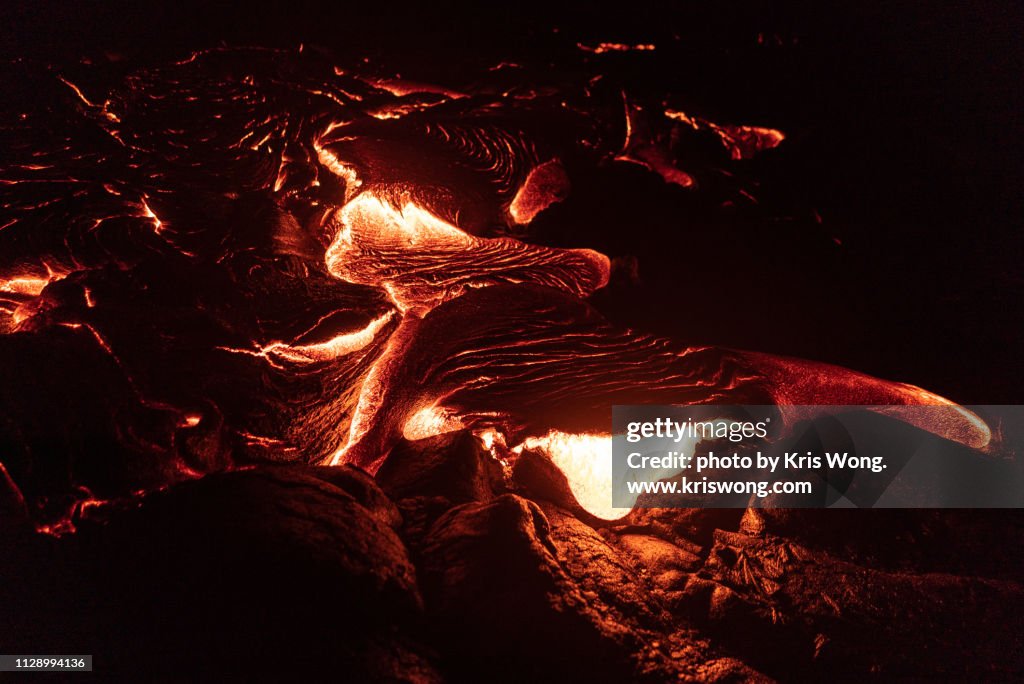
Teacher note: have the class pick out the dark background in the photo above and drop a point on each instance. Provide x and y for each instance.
(905, 136)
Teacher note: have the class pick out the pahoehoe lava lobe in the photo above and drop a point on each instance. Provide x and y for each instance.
(526, 360)
(468, 173)
(423, 261)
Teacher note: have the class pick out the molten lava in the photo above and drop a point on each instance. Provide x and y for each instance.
(422, 261)
(256, 255)
(586, 461)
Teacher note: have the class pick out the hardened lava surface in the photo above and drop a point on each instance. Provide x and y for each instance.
(304, 359)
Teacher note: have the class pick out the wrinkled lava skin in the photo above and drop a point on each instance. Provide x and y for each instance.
(237, 258)
(263, 316)
(528, 360)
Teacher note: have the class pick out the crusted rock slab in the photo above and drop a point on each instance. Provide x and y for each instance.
(267, 572)
(544, 595)
(794, 611)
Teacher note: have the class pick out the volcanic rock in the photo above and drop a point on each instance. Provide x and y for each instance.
(261, 573)
(543, 595)
(668, 564)
(453, 465)
(797, 612)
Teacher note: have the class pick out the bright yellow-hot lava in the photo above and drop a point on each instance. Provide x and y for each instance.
(25, 286)
(408, 227)
(490, 438)
(430, 421)
(31, 284)
(586, 461)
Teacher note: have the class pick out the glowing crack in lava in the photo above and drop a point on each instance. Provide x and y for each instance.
(258, 255)
(339, 345)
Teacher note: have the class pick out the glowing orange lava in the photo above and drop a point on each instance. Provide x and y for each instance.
(422, 261)
(743, 142)
(339, 345)
(25, 286)
(546, 184)
(483, 332)
(602, 48)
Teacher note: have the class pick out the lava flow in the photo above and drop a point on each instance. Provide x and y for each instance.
(313, 352)
(257, 255)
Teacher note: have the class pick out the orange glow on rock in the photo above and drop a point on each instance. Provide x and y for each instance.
(602, 48)
(400, 87)
(158, 225)
(640, 148)
(743, 142)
